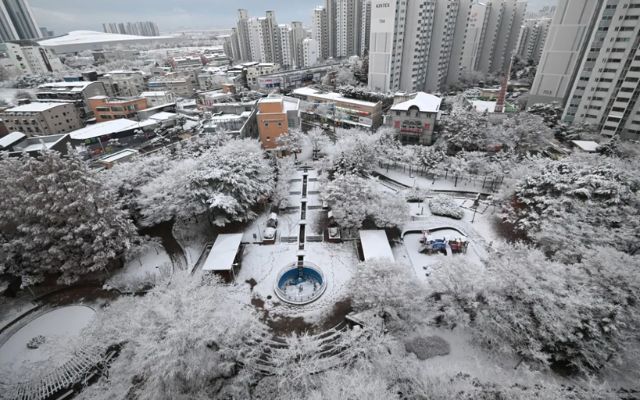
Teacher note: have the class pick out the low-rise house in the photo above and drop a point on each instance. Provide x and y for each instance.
(413, 116)
(17, 143)
(320, 107)
(276, 115)
(158, 98)
(105, 108)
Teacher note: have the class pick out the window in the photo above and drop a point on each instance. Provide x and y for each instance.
(617, 109)
(631, 17)
(634, 69)
(626, 28)
(626, 89)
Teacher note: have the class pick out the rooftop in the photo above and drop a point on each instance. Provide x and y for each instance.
(330, 96)
(35, 107)
(375, 244)
(104, 128)
(424, 101)
(223, 252)
(11, 139)
(83, 37)
(38, 143)
(586, 145)
(157, 93)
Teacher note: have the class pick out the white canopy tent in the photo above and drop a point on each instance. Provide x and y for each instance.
(223, 253)
(375, 245)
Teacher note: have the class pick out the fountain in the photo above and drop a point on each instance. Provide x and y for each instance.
(300, 283)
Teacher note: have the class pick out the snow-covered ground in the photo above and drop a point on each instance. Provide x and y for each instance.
(13, 308)
(143, 270)
(263, 263)
(59, 327)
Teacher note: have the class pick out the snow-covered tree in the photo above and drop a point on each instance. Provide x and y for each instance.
(389, 289)
(526, 133)
(318, 139)
(232, 181)
(579, 202)
(353, 199)
(354, 152)
(185, 339)
(345, 76)
(580, 317)
(291, 142)
(286, 170)
(57, 220)
(550, 113)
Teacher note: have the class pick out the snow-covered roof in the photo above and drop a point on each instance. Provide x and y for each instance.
(157, 93)
(163, 116)
(424, 101)
(83, 37)
(482, 106)
(11, 139)
(75, 84)
(586, 145)
(35, 107)
(118, 155)
(223, 252)
(104, 128)
(375, 245)
(330, 96)
(38, 143)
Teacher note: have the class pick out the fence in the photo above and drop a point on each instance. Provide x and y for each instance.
(487, 182)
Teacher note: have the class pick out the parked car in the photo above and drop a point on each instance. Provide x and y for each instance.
(272, 223)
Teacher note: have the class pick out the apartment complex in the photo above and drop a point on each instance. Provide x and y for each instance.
(42, 118)
(532, 38)
(428, 44)
(591, 65)
(348, 27)
(17, 21)
(310, 55)
(320, 31)
(399, 44)
(25, 57)
(143, 28)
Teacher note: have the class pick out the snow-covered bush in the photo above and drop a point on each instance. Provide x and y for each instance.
(57, 220)
(445, 206)
(416, 195)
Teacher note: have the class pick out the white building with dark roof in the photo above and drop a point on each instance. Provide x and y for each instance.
(413, 116)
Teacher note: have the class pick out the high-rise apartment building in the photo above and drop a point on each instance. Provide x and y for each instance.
(499, 38)
(399, 44)
(449, 23)
(365, 28)
(286, 49)
(297, 36)
(348, 27)
(17, 21)
(242, 27)
(309, 52)
(532, 37)
(142, 28)
(330, 6)
(591, 65)
(472, 44)
(320, 31)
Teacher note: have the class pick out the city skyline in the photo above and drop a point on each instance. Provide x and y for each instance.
(173, 16)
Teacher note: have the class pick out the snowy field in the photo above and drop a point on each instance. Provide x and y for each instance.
(143, 270)
(19, 362)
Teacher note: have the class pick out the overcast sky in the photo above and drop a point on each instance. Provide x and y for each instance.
(171, 15)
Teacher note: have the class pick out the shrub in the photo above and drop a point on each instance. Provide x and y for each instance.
(445, 206)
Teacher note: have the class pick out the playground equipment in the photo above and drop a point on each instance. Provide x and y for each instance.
(443, 245)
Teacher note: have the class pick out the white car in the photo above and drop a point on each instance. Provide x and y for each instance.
(269, 233)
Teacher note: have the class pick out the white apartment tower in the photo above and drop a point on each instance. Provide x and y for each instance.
(450, 20)
(348, 27)
(330, 7)
(606, 87)
(309, 52)
(244, 39)
(473, 40)
(500, 34)
(256, 40)
(320, 31)
(365, 29)
(399, 44)
(286, 50)
(297, 36)
(532, 37)
(17, 21)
